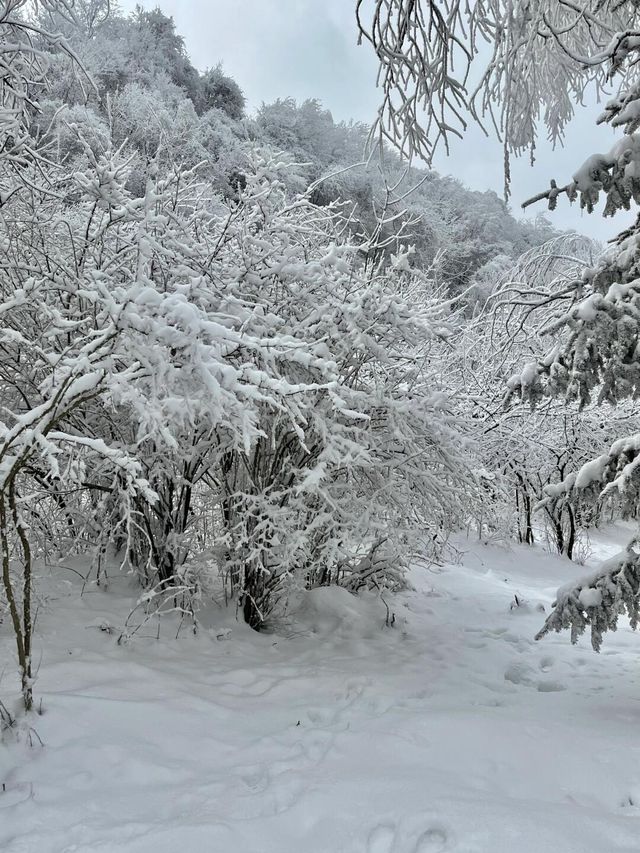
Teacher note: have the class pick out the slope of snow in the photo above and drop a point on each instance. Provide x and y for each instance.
(450, 731)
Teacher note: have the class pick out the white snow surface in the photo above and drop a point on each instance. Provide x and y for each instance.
(450, 731)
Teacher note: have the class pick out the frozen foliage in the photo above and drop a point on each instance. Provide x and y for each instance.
(322, 438)
(220, 92)
(216, 388)
(435, 76)
(148, 99)
(592, 316)
(598, 600)
(545, 53)
(595, 361)
(528, 452)
(452, 228)
(251, 365)
(24, 67)
(595, 318)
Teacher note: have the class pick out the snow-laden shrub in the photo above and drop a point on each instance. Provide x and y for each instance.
(229, 376)
(348, 440)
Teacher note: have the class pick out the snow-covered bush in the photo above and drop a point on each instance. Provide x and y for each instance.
(184, 376)
(348, 440)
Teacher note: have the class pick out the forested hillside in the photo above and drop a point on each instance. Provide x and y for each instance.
(150, 99)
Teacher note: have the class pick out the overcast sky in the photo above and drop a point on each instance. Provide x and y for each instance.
(307, 49)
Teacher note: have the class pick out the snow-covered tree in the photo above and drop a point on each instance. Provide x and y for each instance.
(597, 359)
(25, 188)
(525, 451)
(59, 324)
(220, 92)
(545, 54)
(507, 64)
(567, 45)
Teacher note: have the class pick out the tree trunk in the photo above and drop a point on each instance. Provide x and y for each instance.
(20, 611)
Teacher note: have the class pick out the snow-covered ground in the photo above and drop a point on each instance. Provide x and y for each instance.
(451, 731)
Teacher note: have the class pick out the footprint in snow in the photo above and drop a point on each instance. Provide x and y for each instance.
(257, 779)
(546, 664)
(14, 793)
(550, 687)
(521, 673)
(381, 839)
(321, 717)
(518, 673)
(475, 644)
(433, 840)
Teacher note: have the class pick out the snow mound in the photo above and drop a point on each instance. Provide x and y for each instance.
(332, 610)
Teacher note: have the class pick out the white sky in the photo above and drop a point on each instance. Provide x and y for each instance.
(307, 49)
